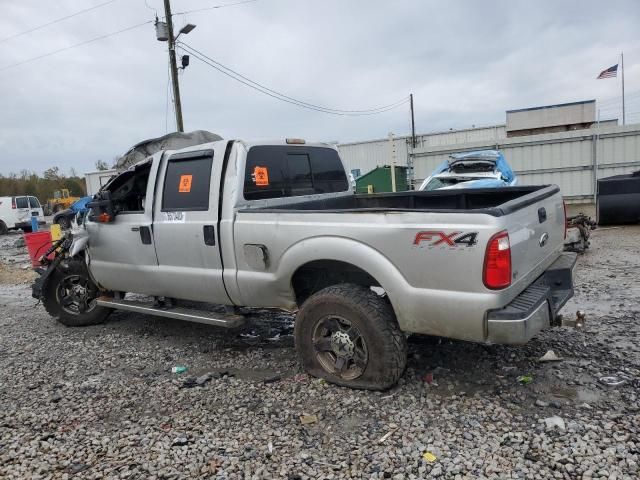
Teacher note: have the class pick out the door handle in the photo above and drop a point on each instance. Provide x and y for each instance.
(209, 233)
(145, 235)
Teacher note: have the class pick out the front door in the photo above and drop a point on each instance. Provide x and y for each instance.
(185, 227)
(121, 253)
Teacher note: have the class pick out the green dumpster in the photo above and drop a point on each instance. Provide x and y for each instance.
(380, 180)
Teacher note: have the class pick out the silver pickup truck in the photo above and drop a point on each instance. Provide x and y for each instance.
(276, 224)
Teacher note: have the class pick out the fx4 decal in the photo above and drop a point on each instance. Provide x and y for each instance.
(452, 239)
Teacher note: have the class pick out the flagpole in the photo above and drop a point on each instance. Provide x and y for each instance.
(622, 71)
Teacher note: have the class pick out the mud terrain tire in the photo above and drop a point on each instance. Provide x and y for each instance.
(366, 333)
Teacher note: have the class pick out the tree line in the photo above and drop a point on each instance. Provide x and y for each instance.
(42, 187)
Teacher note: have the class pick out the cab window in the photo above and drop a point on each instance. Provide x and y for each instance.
(274, 171)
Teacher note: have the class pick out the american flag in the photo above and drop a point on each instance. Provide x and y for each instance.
(609, 72)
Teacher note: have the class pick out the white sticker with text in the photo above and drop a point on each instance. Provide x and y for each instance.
(175, 217)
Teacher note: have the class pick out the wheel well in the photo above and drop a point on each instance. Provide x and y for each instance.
(314, 276)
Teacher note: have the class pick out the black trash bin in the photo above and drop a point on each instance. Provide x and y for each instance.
(618, 199)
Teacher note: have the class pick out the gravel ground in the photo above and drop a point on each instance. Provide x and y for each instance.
(101, 402)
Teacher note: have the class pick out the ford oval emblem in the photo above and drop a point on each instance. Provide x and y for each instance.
(544, 238)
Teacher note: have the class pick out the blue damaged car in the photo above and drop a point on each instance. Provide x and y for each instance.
(479, 169)
(65, 217)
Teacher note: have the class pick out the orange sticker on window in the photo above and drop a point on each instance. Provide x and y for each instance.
(185, 183)
(261, 176)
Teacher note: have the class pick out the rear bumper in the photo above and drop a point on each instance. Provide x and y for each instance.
(536, 308)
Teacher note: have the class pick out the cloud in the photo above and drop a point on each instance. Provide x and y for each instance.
(466, 63)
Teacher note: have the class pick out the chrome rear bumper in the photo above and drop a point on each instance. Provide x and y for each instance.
(536, 308)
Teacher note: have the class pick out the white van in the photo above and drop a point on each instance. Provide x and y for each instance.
(16, 212)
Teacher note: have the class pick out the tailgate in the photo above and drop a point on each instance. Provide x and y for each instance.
(536, 233)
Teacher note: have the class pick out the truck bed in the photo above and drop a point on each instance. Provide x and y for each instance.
(491, 201)
(382, 234)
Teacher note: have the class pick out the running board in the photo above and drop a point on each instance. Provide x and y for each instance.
(179, 313)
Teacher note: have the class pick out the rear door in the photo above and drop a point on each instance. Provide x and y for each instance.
(36, 208)
(186, 227)
(23, 214)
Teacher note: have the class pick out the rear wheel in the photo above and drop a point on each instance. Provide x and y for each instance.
(70, 296)
(3, 228)
(349, 336)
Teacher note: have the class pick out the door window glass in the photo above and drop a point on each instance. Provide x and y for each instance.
(21, 202)
(33, 201)
(187, 183)
(129, 189)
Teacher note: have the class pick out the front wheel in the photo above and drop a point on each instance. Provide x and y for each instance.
(348, 335)
(70, 296)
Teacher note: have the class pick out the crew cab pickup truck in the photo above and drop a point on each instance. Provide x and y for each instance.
(245, 224)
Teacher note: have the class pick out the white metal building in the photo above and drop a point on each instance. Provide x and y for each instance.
(572, 153)
(370, 154)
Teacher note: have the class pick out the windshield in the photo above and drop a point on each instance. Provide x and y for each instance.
(441, 182)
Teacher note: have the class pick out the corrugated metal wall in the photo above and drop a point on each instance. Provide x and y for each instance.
(566, 159)
(375, 153)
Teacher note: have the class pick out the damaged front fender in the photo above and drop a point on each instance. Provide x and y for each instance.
(79, 243)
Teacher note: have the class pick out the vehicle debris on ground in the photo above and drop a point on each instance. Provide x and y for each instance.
(578, 232)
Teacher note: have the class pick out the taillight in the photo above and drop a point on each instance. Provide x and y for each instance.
(564, 205)
(13, 203)
(497, 262)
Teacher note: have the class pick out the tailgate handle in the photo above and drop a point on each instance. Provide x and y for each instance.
(542, 214)
(209, 232)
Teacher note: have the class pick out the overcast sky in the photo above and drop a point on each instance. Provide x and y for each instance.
(466, 62)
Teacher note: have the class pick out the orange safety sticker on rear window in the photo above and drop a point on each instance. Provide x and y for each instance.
(185, 183)
(261, 176)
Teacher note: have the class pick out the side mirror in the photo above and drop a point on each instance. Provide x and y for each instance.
(101, 208)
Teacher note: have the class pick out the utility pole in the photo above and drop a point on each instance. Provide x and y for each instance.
(174, 66)
(413, 123)
(392, 148)
(622, 71)
(410, 155)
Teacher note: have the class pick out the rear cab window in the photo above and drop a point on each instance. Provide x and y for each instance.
(275, 171)
(22, 202)
(33, 202)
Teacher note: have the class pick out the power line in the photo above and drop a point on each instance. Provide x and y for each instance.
(216, 7)
(280, 96)
(95, 39)
(57, 20)
(291, 100)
